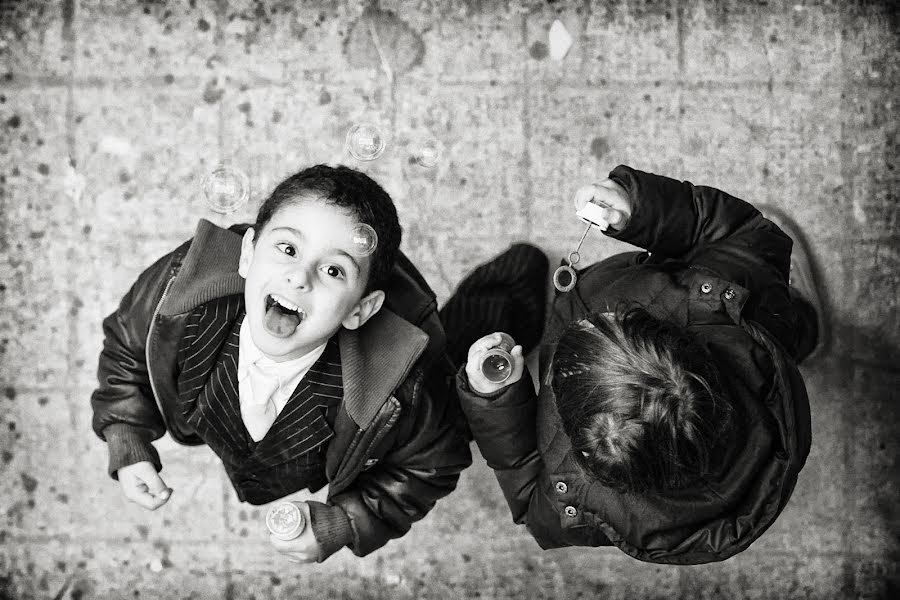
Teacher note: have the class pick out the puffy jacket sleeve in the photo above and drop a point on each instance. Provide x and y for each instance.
(422, 465)
(125, 412)
(703, 226)
(714, 231)
(504, 426)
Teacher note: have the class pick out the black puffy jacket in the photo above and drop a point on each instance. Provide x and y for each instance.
(718, 268)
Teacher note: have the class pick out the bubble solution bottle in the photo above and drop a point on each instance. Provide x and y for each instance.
(285, 521)
(497, 364)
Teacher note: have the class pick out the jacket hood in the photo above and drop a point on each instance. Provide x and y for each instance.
(724, 513)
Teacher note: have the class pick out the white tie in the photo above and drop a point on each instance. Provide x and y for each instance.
(259, 412)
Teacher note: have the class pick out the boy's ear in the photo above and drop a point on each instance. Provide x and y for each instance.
(364, 310)
(246, 253)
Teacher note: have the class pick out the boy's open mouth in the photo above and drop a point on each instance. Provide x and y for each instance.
(282, 316)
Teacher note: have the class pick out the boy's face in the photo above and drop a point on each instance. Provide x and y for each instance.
(303, 280)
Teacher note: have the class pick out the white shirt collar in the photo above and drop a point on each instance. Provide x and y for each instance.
(288, 372)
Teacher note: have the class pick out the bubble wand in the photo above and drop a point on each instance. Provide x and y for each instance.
(591, 212)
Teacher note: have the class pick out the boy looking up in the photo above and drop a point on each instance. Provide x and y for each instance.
(298, 358)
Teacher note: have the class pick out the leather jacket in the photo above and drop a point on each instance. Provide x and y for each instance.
(399, 438)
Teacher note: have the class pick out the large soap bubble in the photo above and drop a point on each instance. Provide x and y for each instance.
(365, 141)
(226, 189)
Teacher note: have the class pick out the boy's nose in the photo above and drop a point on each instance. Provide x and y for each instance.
(298, 278)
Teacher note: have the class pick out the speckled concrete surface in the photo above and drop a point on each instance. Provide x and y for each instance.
(111, 112)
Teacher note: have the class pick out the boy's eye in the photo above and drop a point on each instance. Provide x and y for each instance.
(333, 271)
(286, 248)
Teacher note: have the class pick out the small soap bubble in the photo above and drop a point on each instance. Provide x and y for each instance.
(364, 239)
(428, 152)
(226, 189)
(365, 141)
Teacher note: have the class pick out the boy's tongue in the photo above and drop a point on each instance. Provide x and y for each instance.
(280, 322)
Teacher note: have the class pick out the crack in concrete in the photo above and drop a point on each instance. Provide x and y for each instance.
(526, 163)
(680, 29)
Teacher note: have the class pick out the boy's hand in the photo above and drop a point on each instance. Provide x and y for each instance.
(301, 549)
(612, 197)
(142, 485)
(477, 381)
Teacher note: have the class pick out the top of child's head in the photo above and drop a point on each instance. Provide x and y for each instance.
(305, 277)
(638, 398)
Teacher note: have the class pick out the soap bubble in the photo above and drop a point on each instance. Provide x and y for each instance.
(365, 141)
(427, 152)
(364, 239)
(226, 189)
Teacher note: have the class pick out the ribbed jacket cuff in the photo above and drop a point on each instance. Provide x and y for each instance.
(128, 445)
(465, 390)
(331, 526)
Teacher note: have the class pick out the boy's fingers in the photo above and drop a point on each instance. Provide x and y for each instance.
(145, 473)
(144, 499)
(584, 194)
(484, 344)
(157, 487)
(613, 217)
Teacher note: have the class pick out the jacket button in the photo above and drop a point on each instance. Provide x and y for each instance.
(570, 511)
(729, 294)
(561, 487)
(706, 287)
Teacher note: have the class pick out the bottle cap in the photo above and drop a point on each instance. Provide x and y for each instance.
(285, 521)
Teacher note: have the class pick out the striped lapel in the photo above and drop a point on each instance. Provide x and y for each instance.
(302, 425)
(207, 385)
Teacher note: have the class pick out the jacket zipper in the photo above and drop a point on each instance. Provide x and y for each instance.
(150, 335)
(381, 430)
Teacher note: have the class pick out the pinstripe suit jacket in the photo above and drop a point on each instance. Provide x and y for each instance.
(291, 455)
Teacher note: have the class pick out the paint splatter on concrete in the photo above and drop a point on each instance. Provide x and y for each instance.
(539, 51)
(212, 93)
(29, 483)
(379, 37)
(599, 147)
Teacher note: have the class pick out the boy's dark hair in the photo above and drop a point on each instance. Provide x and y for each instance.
(352, 190)
(637, 397)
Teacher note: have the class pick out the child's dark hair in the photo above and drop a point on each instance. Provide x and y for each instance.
(349, 189)
(637, 397)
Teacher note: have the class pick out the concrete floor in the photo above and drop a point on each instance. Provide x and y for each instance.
(789, 103)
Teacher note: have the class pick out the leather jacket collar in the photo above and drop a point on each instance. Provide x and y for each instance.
(387, 346)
